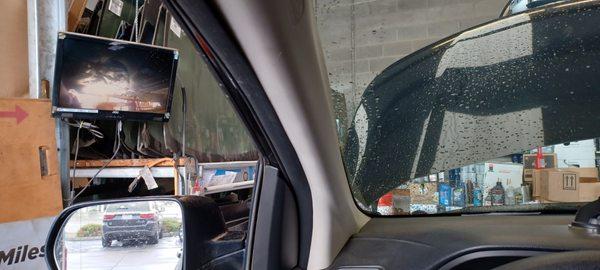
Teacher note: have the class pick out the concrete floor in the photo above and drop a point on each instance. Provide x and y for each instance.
(90, 255)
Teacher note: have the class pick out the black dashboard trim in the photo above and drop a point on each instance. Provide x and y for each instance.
(503, 252)
(431, 243)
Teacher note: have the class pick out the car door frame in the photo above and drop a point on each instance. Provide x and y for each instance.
(201, 21)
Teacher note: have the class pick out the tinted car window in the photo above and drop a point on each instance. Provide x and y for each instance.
(128, 207)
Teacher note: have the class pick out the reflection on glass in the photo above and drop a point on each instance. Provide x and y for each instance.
(128, 235)
(485, 135)
(99, 76)
(472, 48)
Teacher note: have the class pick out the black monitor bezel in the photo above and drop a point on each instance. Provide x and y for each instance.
(92, 114)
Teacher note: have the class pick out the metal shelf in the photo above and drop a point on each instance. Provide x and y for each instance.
(130, 172)
(228, 187)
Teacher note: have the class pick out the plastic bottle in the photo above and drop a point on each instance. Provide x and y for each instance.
(469, 192)
(445, 192)
(477, 196)
(497, 194)
(510, 196)
(458, 197)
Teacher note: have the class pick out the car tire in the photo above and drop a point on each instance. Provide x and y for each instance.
(154, 239)
(106, 242)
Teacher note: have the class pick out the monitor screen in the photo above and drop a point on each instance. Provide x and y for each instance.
(104, 78)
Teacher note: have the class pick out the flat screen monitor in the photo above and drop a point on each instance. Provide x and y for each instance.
(100, 78)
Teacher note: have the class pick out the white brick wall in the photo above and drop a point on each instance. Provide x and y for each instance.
(362, 37)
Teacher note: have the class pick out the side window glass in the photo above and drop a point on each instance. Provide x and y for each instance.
(204, 139)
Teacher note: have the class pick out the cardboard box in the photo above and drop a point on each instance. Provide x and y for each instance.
(528, 175)
(30, 177)
(589, 184)
(14, 69)
(549, 161)
(559, 185)
(589, 191)
(425, 193)
(563, 185)
(532, 177)
(586, 174)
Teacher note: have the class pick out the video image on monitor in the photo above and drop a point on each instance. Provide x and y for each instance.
(114, 76)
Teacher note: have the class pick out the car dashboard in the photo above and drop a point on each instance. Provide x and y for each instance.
(460, 242)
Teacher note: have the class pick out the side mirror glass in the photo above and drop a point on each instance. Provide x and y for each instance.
(121, 235)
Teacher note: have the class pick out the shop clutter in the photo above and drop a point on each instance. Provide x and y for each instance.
(142, 112)
(522, 179)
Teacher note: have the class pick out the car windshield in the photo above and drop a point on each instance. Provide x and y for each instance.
(465, 106)
(128, 207)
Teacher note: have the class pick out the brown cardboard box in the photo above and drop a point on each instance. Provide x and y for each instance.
(559, 185)
(14, 68)
(29, 168)
(587, 175)
(587, 178)
(423, 193)
(549, 161)
(589, 185)
(583, 173)
(589, 191)
(533, 178)
(528, 175)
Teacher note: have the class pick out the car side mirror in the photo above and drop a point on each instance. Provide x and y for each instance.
(130, 233)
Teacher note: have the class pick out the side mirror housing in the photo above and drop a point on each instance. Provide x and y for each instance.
(188, 225)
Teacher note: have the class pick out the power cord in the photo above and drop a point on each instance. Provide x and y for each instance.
(183, 126)
(72, 178)
(119, 128)
(94, 130)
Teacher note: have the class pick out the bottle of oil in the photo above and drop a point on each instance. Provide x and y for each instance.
(497, 194)
(518, 196)
(477, 195)
(469, 187)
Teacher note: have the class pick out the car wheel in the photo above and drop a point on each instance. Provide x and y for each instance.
(106, 242)
(154, 239)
